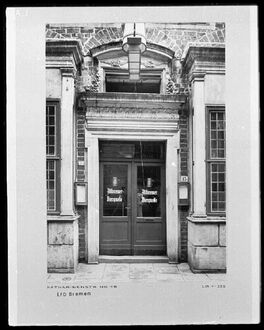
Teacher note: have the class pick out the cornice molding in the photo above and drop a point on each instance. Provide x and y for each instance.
(196, 76)
(62, 48)
(131, 100)
(68, 72)
(53, 62)
(124, 123)
(114, 112)
(204, 58)
(63, 218)
(206, 219)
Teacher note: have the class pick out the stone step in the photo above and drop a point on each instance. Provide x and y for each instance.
(133, 259)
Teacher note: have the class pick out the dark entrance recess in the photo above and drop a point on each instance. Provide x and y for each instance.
(132, 198)
(148, 83)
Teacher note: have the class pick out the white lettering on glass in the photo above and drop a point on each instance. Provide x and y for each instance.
(149, 192)
(114, 191)
(114, 199)
(149, 200)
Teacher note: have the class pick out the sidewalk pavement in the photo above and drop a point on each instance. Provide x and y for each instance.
(133, 272)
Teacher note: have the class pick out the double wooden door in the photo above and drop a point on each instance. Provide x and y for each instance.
(132, 208)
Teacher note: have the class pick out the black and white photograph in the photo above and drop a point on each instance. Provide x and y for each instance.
(129, 152)
(135, 126)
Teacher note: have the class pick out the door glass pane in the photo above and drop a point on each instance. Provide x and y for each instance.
(132, 150)
(148, 191)
(117, 150)
(115, 190)
(149, 150)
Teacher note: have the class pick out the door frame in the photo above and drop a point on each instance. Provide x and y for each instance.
(171, 165)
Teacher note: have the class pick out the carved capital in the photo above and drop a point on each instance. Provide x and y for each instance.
(68, 72)
(197, 76)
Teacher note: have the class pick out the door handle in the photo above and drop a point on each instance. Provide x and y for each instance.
(150, 220)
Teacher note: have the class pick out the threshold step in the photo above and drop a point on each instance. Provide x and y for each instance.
(133, 259)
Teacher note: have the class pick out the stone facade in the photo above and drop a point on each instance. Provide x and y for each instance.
(206, 245)
(205, 68)
(184, 53)
(171, 36)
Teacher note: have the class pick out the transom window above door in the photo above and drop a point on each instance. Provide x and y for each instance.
(133, 150)
(118, 81)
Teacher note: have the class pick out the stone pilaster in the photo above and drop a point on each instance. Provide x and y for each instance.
(172, 198)
(199, 142)
(67, 135)
(93, 200)
(63, 243)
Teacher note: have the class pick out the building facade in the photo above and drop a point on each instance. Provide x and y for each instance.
(135, 132)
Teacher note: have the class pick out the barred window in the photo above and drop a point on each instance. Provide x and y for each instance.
(216, 169)
(53, 156)
(217, 135)
(217, 179)
(51, 130)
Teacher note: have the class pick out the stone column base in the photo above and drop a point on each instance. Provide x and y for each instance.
(206, 244)
(63, 244)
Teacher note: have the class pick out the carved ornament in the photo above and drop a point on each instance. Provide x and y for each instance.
(131, 113)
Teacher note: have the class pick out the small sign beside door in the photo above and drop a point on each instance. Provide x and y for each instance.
(184, 178)
(80, 193)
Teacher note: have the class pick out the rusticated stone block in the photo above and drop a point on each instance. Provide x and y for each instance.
(60, 257)
(63, 245)
(203, 233)
(206, 258)
(60, 233)
(222, 235)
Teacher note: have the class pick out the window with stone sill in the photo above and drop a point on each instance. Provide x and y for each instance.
(52, 156)
(216, 164)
